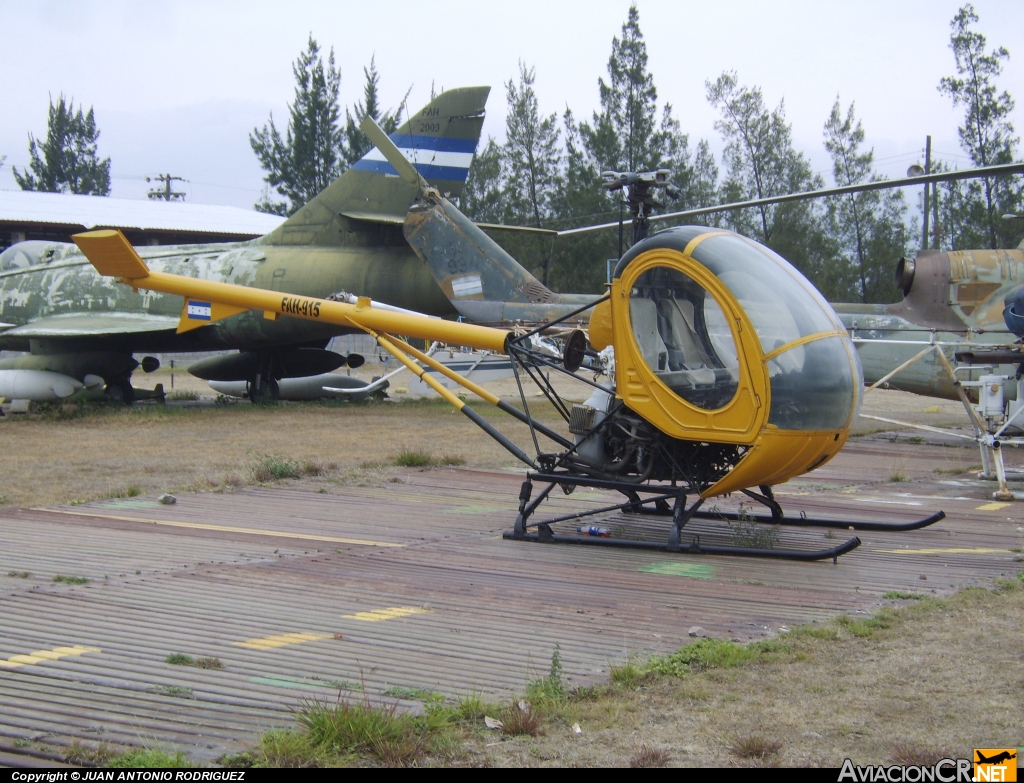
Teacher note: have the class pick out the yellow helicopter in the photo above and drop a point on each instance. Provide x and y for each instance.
(726, 372)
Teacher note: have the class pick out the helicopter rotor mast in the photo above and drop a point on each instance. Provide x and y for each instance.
(639, 187)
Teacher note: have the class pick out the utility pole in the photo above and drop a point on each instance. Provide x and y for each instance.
(927, 170)
(166, 194)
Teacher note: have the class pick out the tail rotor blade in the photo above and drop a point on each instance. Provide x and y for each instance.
(391, 153)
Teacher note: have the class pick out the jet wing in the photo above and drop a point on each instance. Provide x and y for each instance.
(92, 325)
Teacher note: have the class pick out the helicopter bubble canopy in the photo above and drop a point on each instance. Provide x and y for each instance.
(721, 323)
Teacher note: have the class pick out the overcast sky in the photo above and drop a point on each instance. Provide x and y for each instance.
(177, 86)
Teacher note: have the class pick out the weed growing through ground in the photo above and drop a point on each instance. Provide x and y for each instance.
(423, 459)
(274, 467)
(180, 659)
(911, 754)
(70, 580)
(550, 689)
(865, 628)
(649, 757)
(149, 758)
(755, 747)
(349, 728)
(104, 755)
(901, 595)
(522, 718)
(753, 535)
(19, 574)
(131, 492)
(413, 694)
(175, 690)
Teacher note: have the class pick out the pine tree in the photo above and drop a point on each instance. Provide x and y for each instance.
(66, 161)
(580, 262)
(531, 166)
(309, 156)
(532, 156)
(627, 135)
(482, 197)
(761, 162)
(357, 143)
(869, 227)
(986, 134)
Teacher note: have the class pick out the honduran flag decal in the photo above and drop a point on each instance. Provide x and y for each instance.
(199, 311)
(435, 157)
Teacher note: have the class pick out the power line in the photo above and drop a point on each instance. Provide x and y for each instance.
(166, 193)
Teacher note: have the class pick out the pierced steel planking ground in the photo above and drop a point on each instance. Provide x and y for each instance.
(407, 586)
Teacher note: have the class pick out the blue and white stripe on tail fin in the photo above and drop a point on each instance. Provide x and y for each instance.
(437, 158)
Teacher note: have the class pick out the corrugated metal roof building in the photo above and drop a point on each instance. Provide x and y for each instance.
(55, 217)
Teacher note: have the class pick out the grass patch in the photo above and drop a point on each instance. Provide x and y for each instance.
(901, 595)
(3, 500)
(474, 707)
(81, 754)
(19, 574)
(648, 757)
(422, 459)
(344, 732)
(912, 754)
(753, 535)
(414, 694)
(70, 580)
(361, 728)
(522, 719)
(174, 690)
(274, 467)
(755, 747)
(180, 659)
(867, 627)
(707, 654)
(131, 492)
(182, 396)
(897, 477)
(149, 758)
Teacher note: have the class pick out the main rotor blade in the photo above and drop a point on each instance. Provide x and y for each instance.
(391, 153)
(986, 171)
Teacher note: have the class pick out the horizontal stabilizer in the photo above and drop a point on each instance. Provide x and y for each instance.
(89, 325)
(112, 254)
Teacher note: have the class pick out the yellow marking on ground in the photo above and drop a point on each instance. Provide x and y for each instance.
(386, 614)
(225, 529)
(281, 640)
(975, 551)
(45, 655)
(993, 506)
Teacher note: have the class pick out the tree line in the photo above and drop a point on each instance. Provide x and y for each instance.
(547, 172)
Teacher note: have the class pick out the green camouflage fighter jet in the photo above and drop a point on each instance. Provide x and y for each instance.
(82, 329)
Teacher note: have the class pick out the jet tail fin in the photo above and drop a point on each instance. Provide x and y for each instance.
(439, 140)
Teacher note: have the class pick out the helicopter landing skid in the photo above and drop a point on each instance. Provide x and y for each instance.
(660, 496)
(766, 498)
